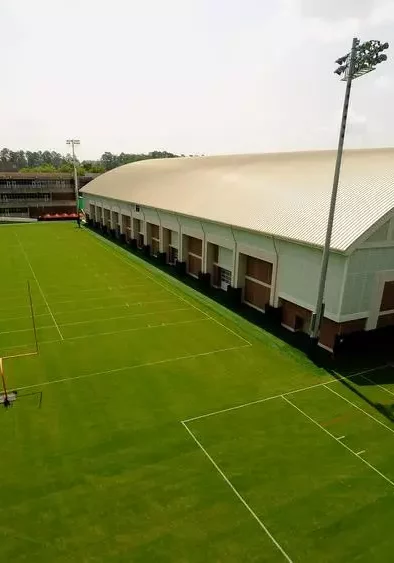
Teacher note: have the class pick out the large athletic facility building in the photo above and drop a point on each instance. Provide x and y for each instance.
(257, 223)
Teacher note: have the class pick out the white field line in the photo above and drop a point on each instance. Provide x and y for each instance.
(96, 334)
(237, 494)
(22, 355)
(104, 289)
(360, 453)
(129, 368)
(24, 329)
(149, 327)
(136, 304)
(360, 409)
(3, 301)
(39, 287)
(339, 441)
(15, 307)
(124, 317)
(265, 399)
(139, 304)
(24, 317)
(141, 271)
(97, 298)
(369, 370)
(99, 320)
(378, 385)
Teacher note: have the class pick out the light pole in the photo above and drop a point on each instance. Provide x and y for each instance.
(74, 142)
(362, 59)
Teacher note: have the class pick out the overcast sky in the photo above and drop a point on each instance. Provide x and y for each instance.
(190, 76)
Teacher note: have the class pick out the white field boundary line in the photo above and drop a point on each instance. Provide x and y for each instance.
(136, 304)
(96, 334)
(99, 320)
(21, 355)
(121, 297)
(130, 368)
(127, 307)
(358, 456)
(39, 287)
(360, 409)
(104, 289)
(265, 399)
(237, 494)
(378, 385)
(141, 271)
(149, 327)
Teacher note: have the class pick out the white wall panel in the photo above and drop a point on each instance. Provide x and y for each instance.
(151, 215)
(364, 266)
(169, 220)
(191, 227)
(225, 258)
(251, 239)
(174, 239)
(298, 276)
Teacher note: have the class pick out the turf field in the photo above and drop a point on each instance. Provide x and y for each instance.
(172, 430)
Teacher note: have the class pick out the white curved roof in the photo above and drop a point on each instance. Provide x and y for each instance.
(282, 194)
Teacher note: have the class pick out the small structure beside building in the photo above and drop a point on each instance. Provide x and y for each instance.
(255, 225)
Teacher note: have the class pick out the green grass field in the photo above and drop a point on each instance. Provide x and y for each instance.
(172, 430)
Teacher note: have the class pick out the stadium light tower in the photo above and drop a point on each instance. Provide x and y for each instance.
(362, 59)
(74, 142)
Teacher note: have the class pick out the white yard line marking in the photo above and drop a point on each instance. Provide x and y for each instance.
(127, 368)
(237, 494)
(100, 320)
(339, 441)
(104, 289)
(125, 317)
(22, 355)
(96, 298)
(341, 437)
(39, 287)
(360, 409)
(94, 335)
(161, 325)
(136, 304)
(14, 307)
(141, 271)
(258, 401)
(25, 329)
(369, 370)
(24, 317)
(378, 385)
(360, 453)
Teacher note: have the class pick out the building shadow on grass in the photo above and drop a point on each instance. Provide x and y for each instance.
(359, 361)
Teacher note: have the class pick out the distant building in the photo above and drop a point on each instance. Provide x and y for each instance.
(33, 195)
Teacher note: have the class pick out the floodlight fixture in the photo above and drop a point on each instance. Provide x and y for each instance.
(74, 142)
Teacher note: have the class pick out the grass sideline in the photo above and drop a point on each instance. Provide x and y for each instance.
(172, 429)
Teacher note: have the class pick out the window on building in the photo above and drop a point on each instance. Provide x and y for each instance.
(225, 278)
(137, 208)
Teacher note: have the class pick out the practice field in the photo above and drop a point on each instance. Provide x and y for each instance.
(172, 430)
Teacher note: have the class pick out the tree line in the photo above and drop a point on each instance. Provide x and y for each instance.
(52, 161)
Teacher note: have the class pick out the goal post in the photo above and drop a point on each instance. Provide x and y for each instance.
(8, 398)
